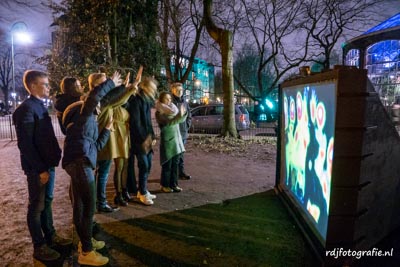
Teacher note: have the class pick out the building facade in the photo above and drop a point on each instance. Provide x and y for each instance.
(378, 51)
(199, 87)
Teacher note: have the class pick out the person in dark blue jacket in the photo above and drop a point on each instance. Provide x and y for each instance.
(40, 153)
(81, 144)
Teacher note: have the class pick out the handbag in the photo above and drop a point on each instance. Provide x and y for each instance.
(147, 144)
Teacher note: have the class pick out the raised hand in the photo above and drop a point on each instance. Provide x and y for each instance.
(116, 78)
(126, 82)
(138, 76)
(182, 109)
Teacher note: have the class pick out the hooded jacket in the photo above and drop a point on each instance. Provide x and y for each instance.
(61, 102)
(82, 140)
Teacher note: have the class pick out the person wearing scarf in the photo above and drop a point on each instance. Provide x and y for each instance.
(168, 118)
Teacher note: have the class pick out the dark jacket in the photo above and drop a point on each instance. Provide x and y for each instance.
(184, 126)
(61, 102)
(83, 140)
(36, 139)
(139, 121)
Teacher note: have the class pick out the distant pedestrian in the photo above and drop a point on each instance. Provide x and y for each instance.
(40, 153)
(142, 134)
(179, 100)
(171, 146)
(81, 145)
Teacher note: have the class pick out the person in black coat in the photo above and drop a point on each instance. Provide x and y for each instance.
(142, 134)
(184, 126)
(40, 153)
(81, 144)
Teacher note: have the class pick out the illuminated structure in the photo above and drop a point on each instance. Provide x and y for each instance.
(337, 162)
(378, 51)
(199, 86)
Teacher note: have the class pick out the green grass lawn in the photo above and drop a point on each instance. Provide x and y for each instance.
(255, 230)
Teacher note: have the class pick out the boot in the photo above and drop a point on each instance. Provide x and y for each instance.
(126, 196)
(118, 200)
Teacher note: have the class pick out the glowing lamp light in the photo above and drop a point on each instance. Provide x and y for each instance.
(269, 103)
(22, 37)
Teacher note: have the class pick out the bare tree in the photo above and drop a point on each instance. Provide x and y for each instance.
(327, 20)
(16, 5)
(6, 75)
(273, 27)
(224, 39)
(180, 28)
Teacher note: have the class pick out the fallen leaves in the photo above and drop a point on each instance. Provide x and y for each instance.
(257, 148)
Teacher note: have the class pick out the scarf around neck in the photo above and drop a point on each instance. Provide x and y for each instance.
(169, 110)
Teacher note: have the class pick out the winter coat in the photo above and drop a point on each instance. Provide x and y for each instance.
(140, 121)
(83, 140)
(185, 125)
(171, 140)
(61, 102)
(36, 139)
(119, 143)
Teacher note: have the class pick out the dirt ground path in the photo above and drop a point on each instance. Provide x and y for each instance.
(217, 177)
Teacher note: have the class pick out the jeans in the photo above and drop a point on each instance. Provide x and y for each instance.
(169, 172)
(144, 165)
(40, 215)
(131, 179)
(103, 169)
(84, 200)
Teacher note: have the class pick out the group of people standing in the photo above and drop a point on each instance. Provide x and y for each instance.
(111, 123)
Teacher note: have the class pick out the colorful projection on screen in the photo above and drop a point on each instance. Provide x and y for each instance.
(307, 143)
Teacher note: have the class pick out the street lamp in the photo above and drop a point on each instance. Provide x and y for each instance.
(20, 35)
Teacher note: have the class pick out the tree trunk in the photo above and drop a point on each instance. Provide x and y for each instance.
(224, 40)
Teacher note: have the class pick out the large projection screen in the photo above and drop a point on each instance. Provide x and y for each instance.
(307, 147)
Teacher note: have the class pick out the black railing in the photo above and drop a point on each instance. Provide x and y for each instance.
(7, 129)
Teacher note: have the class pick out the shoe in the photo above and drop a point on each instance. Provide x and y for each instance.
(118, 200)
(106, 208)
(126, 196)
(184, 176)
(166, 189)
(176, 189)
(146, 199)
(151, 196)
(92, 258)
(45, 253)
(59, 241)
(96, 245)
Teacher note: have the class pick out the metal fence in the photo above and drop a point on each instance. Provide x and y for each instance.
(7, 129)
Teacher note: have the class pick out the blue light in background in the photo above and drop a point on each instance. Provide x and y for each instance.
(269, 103)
